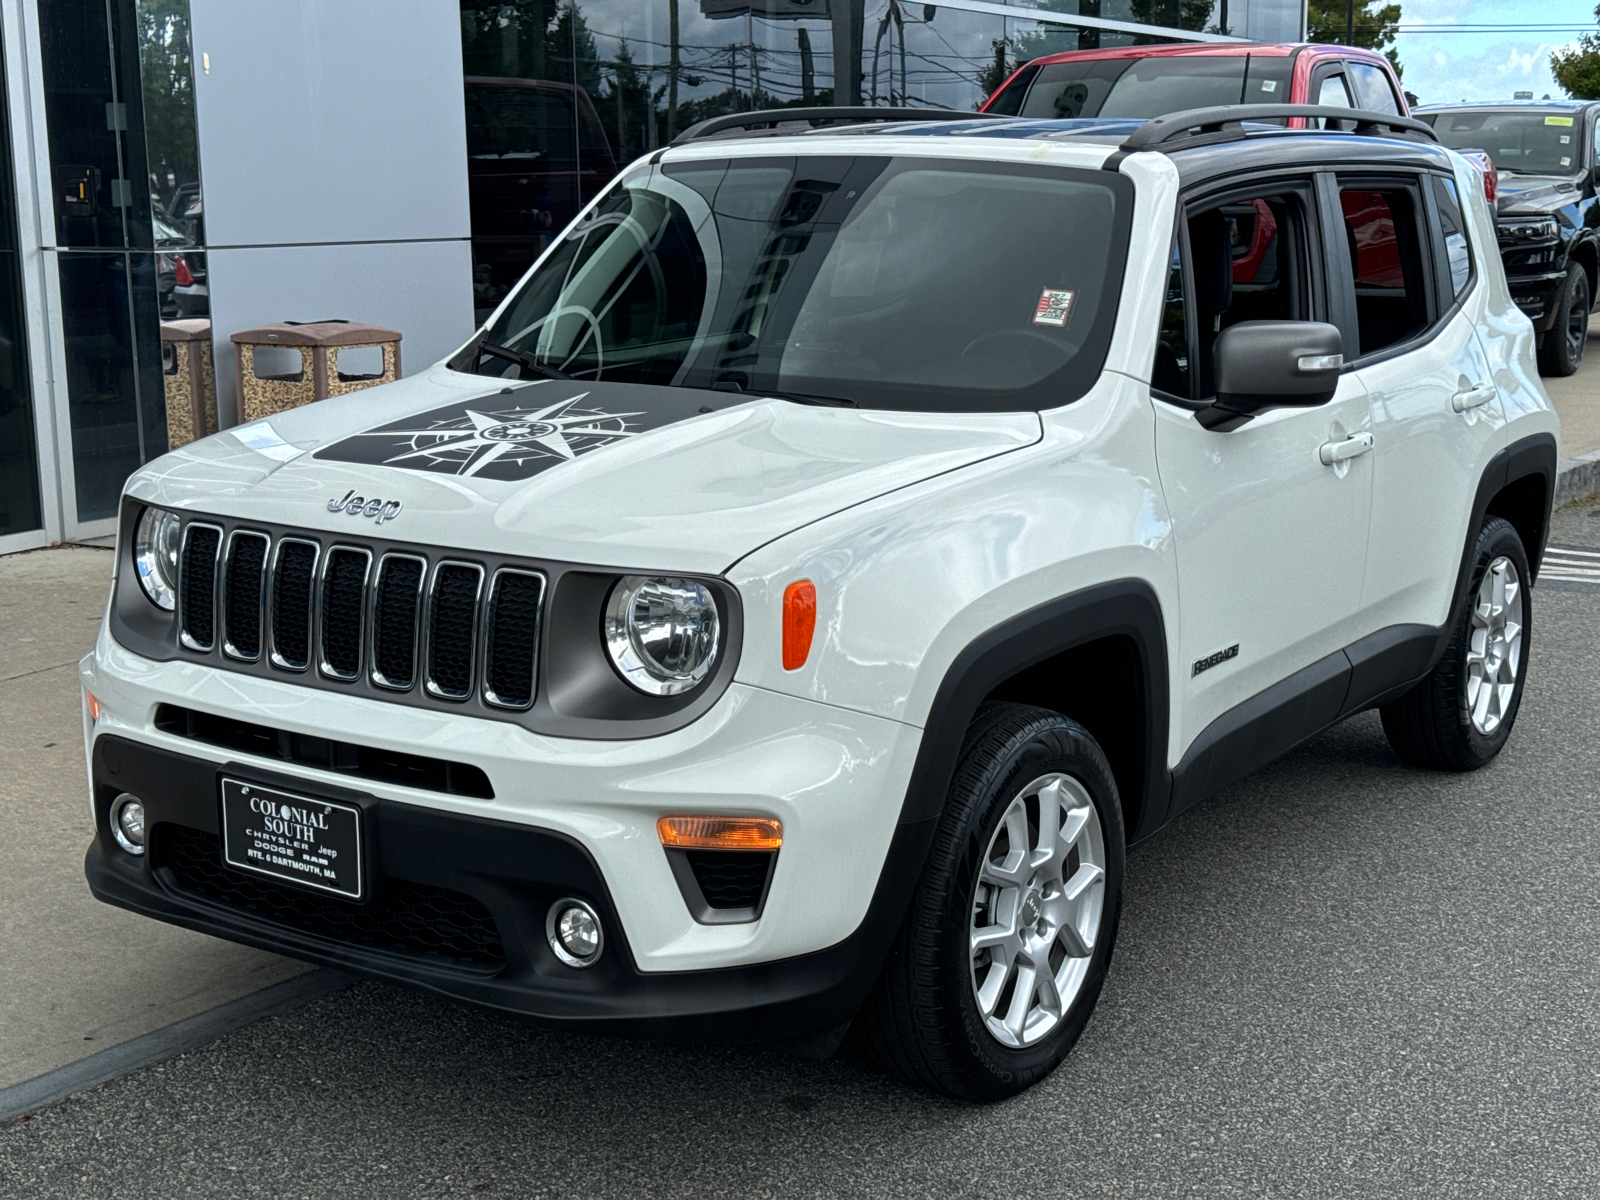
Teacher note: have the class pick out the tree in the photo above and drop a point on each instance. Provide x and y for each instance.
(1578, 69)
(1375, 28)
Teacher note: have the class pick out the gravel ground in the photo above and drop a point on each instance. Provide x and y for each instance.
(1340, 977)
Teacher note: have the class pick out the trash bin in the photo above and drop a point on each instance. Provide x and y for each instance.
(191, 381)
(319, 344)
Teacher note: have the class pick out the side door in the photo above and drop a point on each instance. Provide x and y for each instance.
(1415, 298)
(1271, 543)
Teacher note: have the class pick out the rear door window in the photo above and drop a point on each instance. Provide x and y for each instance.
(1383, 238)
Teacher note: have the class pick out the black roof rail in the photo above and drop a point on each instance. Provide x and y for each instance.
(769, 119)
(1226, 123)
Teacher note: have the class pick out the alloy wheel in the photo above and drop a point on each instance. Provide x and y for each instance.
(1036, 910)
(1578, 319)
(1494, 654)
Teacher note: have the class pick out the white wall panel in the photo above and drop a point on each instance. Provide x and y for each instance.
(330, 122)
(423, 289)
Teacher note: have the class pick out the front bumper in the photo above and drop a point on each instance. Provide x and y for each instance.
(458, 909)
(1537, 295)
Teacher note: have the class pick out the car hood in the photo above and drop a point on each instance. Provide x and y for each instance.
(623, 475)
(1533, 194)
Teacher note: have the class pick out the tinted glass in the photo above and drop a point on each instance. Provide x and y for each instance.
(1457, 250)
(114, 381)
(1528, 143)
(895, 283)
(1382, 232)
(1139, 87)
(1372, 87)
(1333, 93)
(19, 463)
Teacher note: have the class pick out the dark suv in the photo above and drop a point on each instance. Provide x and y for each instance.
(1549, 224)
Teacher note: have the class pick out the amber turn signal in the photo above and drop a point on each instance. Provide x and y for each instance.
(720, 833)
(94, 706)
(799, 622)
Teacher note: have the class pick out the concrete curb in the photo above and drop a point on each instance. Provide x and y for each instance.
(1577, 477)
(24, 1099)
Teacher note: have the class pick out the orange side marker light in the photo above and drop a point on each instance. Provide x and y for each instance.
(799, 622)
(720, 833)
(94, 706)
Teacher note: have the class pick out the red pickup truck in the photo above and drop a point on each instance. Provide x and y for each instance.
(1150, 81)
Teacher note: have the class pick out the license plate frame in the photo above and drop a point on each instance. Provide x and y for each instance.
(312, 842)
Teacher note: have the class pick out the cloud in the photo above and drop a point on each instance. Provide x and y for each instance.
(1499, 68)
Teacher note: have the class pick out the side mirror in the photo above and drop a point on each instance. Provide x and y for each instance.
(1262, 365)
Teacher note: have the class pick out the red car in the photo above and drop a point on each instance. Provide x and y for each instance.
(1150, 81)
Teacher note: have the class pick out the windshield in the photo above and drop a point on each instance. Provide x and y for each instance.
(1527, 143)
(905, 283)
(1153, 87)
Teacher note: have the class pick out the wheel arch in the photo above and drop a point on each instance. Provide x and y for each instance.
(1115, 630)
(1586, 254)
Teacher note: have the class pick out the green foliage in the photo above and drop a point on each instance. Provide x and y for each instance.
(166, 86)
(1578, 69)
(1375, 27)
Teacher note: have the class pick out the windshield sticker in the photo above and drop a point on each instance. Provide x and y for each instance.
(491, 437)
(1567, 121)
(1566, 161)
(1566, 139)
(1269, 85)
(1054, 308)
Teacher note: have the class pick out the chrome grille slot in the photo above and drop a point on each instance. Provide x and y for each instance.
(453, 629)
(344, 603)
(243, 590)
(197, 586)
(511, 639)
(292, 586)
(396, 615)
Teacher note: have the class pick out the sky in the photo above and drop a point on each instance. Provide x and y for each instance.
(1451, 62)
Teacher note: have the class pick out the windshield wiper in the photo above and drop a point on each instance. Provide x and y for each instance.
(526, 361)
(808, 398)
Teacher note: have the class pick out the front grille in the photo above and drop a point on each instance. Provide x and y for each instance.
(382, 618)
(410, 918)
(344, 590)
(243, 578)
(731, 878)
(397, 597)
(512, 645)
(366, 762)
(291, 586)
(455, 629)
(199, 586)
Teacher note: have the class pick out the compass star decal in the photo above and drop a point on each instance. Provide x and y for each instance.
(488, 438)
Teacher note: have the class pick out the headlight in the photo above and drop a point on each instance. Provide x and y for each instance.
(1538, 229)
(155, 557)
(662, 633)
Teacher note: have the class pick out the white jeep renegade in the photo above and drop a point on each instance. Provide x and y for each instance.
(844, 544)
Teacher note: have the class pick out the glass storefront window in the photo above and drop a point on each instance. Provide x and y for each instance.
(129, 221)
(20, 509)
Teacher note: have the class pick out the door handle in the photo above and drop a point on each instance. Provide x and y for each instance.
(1338, 452)
(1473, 397)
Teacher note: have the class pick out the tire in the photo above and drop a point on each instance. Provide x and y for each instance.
(1452, 720)
(1561, 349)
(923, 1021)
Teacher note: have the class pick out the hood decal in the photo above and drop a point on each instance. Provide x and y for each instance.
(510, 436)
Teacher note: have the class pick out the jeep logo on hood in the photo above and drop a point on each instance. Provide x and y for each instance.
(509, 436)
(359, 506)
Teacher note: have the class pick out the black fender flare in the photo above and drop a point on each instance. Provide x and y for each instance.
(1126, 607)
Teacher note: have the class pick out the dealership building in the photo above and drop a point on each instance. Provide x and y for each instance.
(184, 171)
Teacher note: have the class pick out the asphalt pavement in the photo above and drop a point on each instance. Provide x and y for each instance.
(1341, 977)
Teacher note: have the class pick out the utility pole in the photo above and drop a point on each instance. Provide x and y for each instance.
(808, 87)
(1350, 22)
(672, 69)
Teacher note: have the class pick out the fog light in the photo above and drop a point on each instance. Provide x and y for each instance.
(573, 929)
(127, 822)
